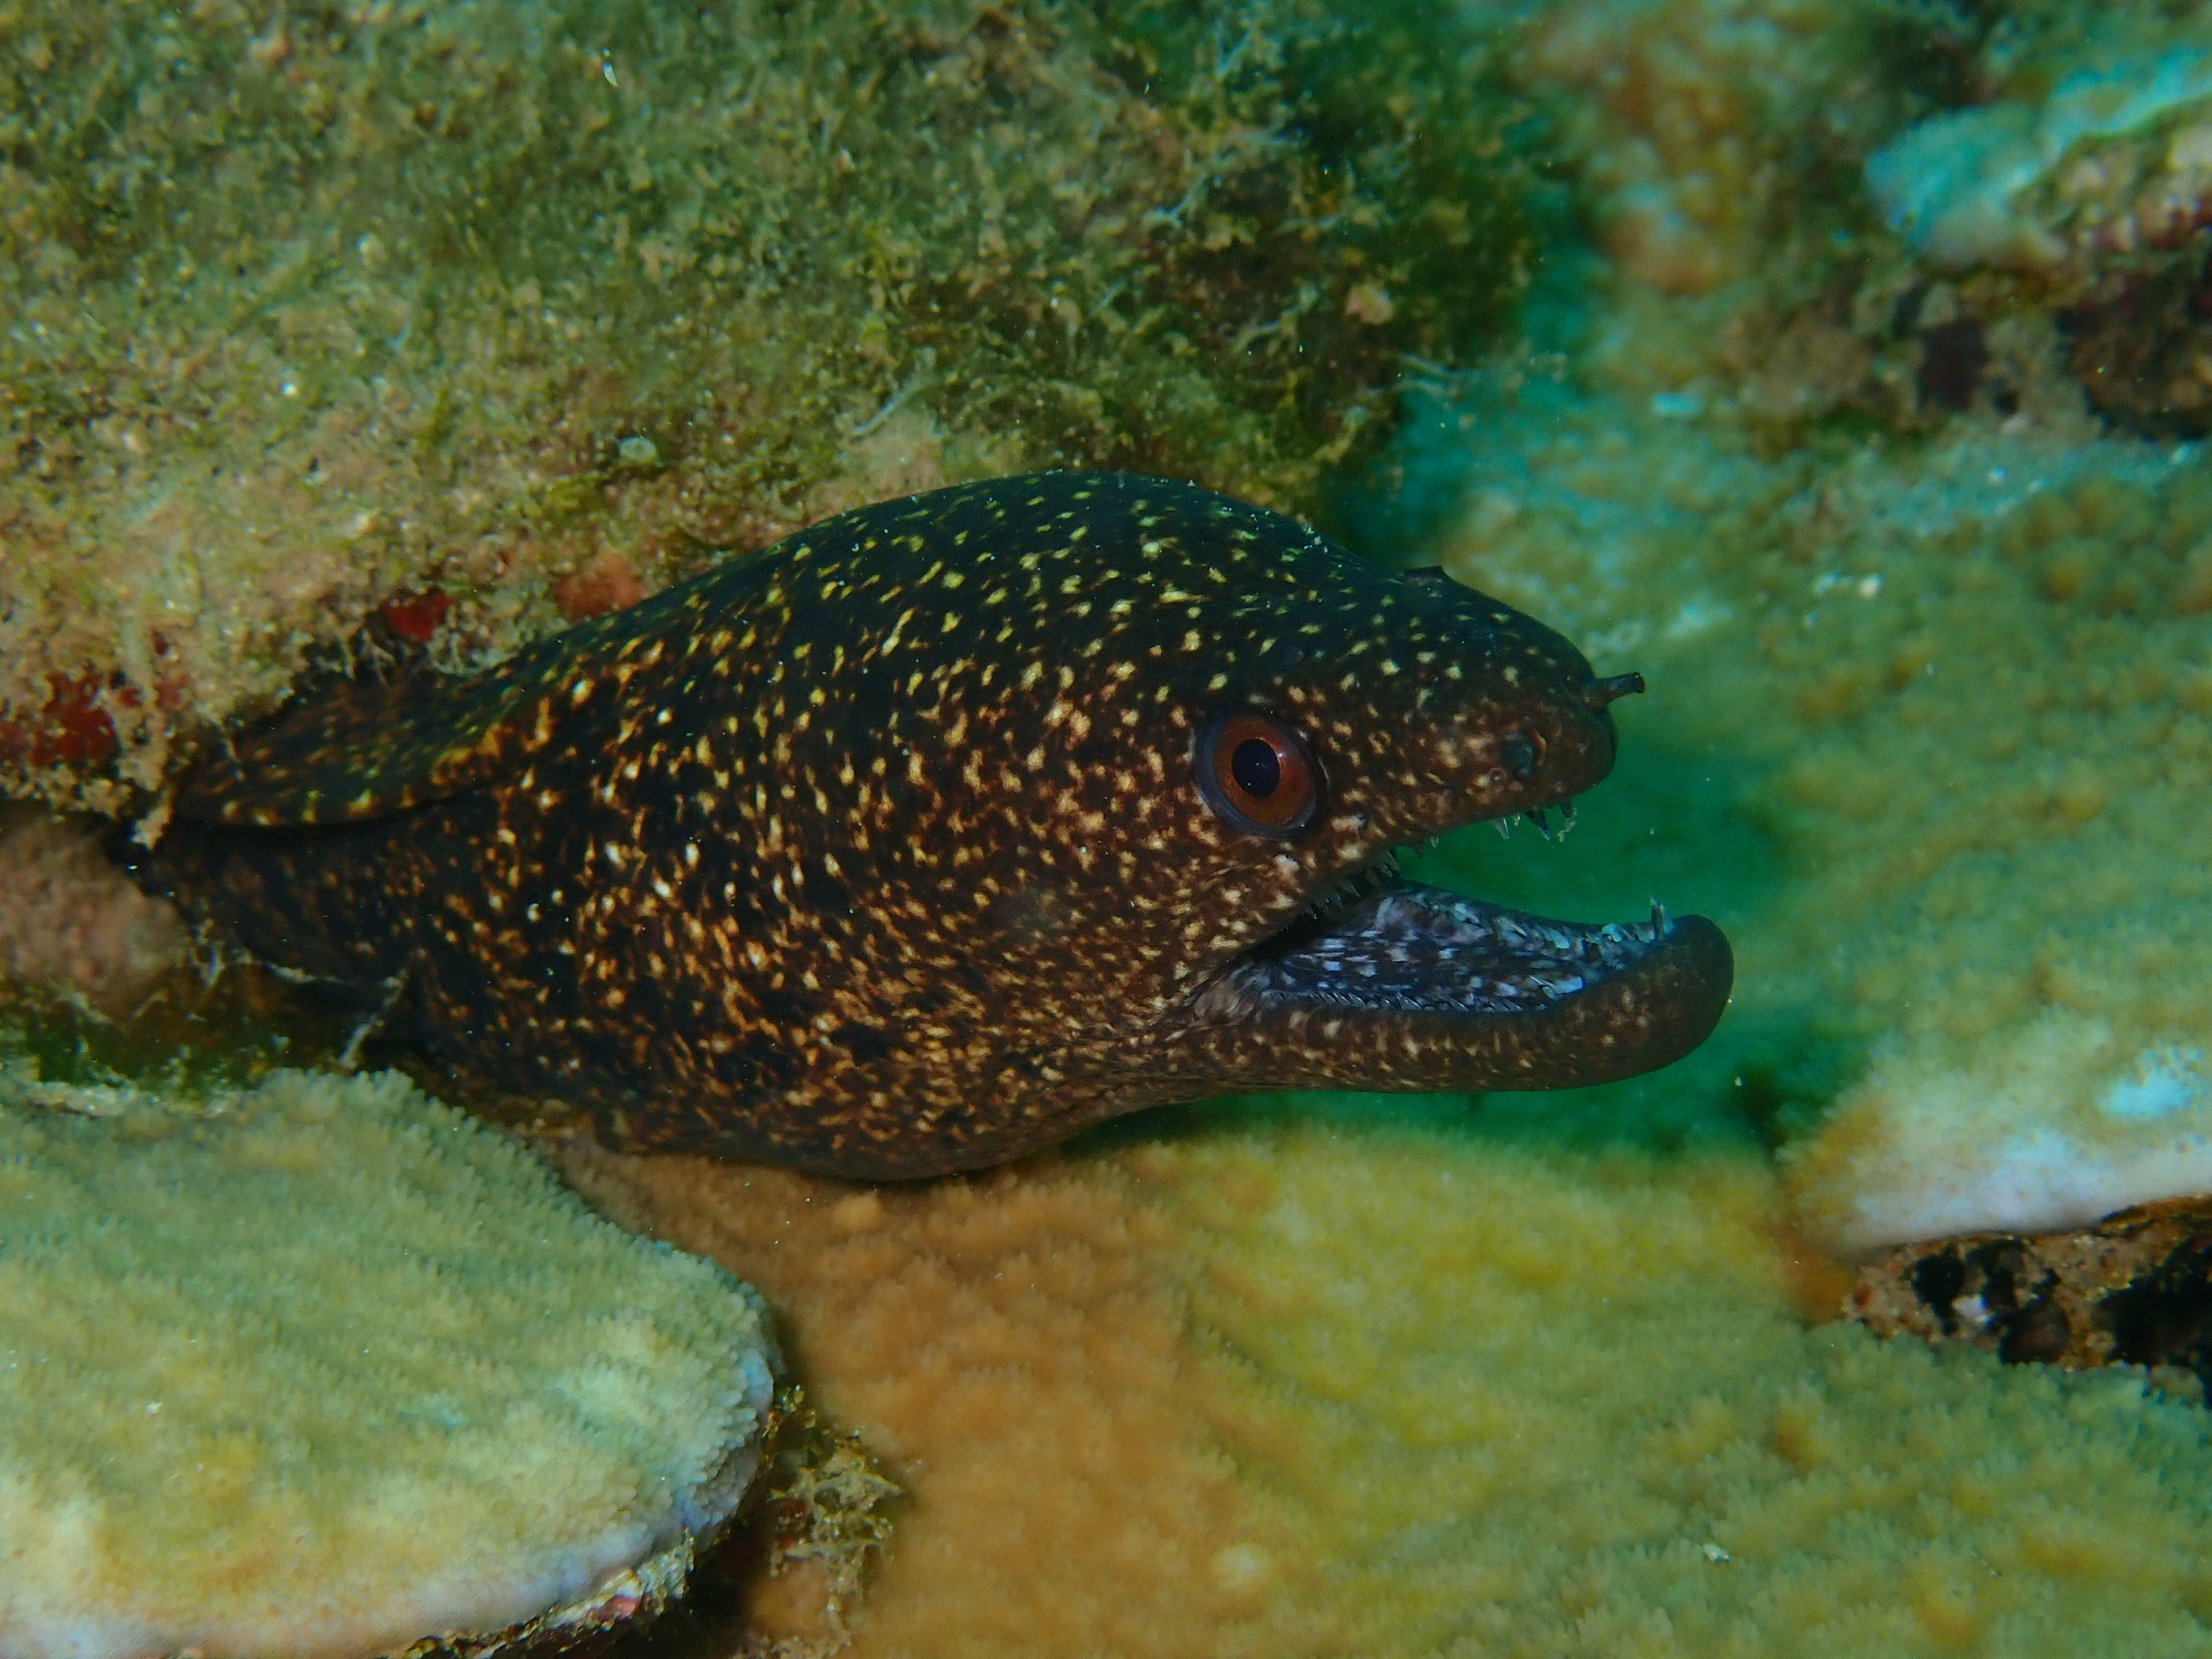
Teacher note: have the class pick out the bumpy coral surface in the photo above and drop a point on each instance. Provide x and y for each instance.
(1372, 1381)
(1928, 729)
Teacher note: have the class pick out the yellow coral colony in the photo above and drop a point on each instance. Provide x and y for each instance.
(1375, 1383)
(324, 1367)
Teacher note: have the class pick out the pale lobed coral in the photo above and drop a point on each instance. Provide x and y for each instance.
(2054, 1127)
(1963, 188)
(322, 1367)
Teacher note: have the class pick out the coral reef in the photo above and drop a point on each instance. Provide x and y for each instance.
(1374, 1379)
(322, 1367)
(1925, 618)
(479, 318)
(1952, 699)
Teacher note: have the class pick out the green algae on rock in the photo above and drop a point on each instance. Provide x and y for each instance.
(322, 1368)
(932, 835)
(533, 309)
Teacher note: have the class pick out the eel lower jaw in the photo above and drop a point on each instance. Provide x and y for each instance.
(1492, 997)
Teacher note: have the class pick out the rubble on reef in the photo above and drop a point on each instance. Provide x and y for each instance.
(2134, 1289)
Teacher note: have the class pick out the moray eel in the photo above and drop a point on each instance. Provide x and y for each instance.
(947, 827)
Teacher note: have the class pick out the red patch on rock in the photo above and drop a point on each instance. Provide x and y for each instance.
(415, 616)
(69, 728)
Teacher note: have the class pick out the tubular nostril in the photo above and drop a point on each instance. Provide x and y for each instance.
(1599, 693)
(1519, 754)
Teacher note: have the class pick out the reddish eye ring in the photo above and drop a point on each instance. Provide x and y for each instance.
(1258, 775)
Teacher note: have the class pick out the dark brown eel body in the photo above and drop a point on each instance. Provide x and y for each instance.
(949, 826)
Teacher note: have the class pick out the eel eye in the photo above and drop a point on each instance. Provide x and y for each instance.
(1256, 775)
(1520, 754)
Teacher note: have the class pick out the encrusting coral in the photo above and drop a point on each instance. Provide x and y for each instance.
(322, 1367)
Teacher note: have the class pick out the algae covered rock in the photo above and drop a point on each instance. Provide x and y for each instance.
(487, 316)
(323, 1368)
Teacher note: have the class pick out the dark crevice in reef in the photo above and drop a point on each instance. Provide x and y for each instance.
(2164, 1317)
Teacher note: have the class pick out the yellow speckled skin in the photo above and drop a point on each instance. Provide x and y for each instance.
(881, 853)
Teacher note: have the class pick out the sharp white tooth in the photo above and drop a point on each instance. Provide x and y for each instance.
(1505, 828)
(1658, 918)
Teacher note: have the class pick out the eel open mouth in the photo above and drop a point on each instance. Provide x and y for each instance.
(1530, 1001)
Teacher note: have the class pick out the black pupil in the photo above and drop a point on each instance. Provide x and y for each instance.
(1256, 768)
